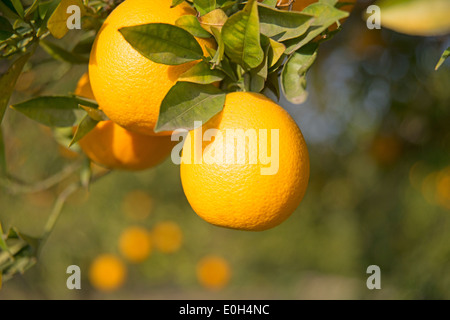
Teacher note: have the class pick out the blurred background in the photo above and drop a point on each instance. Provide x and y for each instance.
(377, 126)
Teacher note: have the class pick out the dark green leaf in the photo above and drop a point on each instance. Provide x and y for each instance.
(204, 6)
(241, 37)
(283, 25)
(61, 54)
(215, 18)
(293, 76)
(202, 73)
(18, 7)
(191, 24)
(85, 126)
(176, 2)
(273, 84)
(8, 10)
(444, 56)
(163, 43)
(6, 29)
(188, 102)
(31, 9)
(52, 111)
(325, 16)
(8, 81)
(86, 102)
(258, 75)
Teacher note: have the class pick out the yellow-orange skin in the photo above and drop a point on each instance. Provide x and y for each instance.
(116, 148)
(107, 273)
(213, 272)
(129, 87)
(235, 195)
(135, 244)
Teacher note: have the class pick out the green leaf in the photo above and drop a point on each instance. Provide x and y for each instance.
(31, 9)
(191, 24)
(86, 102)
(204, 6)
(202, 73)
(6, 29)
(273, 84)
(241, 37)
(19, 7)
(57, 23)
(3, 244)
(8, 10)
(220, 46)
(85, 126)
(325, 16)
(270, 3)
(188, 102)
(2, 155)
(176, 3)
(293, 76)
(52, 111)
(84, 46)
(276, 52)
(416, 17)
(95, 114)
(8, 81)
(163, 43)
(61, 54)
(283, 25)
(215, 18)
(258, 75)
(444, 56)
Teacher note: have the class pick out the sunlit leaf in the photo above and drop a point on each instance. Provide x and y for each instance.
(215, 18)
(188, 102)
(277, 50)
(202, 73)
(283, 25)
(52, 111)
(163, 43)
(416, 17)
(191, 24)
(85, 126)
(57, 23)
(8, 81)
(204, 6)
(241, 36)
(293, 76)
(444, 56)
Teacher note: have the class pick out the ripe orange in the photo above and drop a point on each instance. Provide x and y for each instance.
(167, 237)
(107, 273)
(246, 194)
(135, 244)
(114, 147)
(213, 272)
(129, 87)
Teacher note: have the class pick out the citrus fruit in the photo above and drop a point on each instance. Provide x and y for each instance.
(135, 244)
(114, 147)
(107, 273)
(129, 87)
(242, 189)
(213, 272)
(167, 236)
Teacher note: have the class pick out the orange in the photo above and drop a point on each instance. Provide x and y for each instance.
(107, 273)
(114, 147)
(135, 244)
(246, 190)
(129, 87)
(213, 272)
(167, 236)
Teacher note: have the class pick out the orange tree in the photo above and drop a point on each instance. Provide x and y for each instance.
(254, 46)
